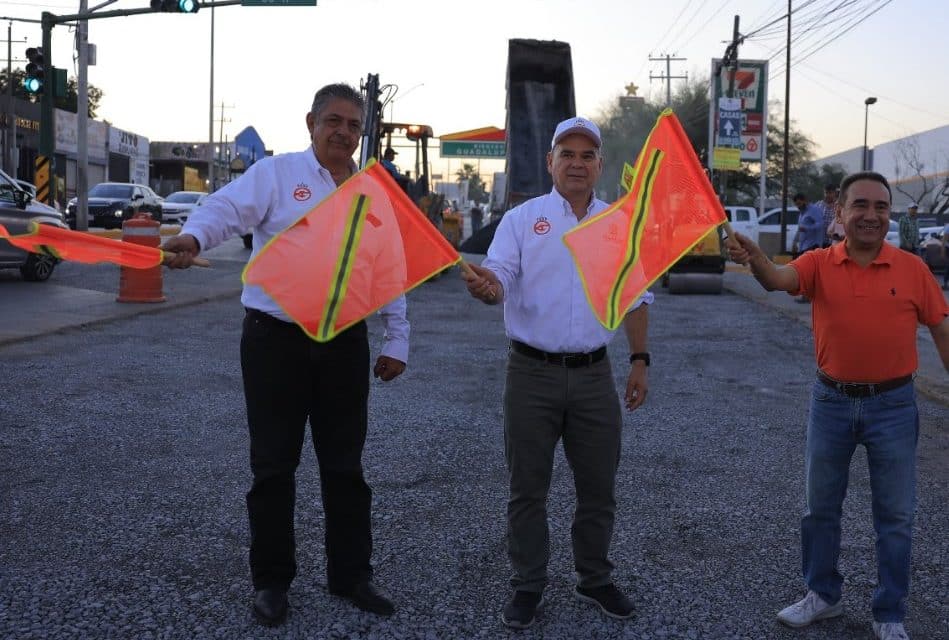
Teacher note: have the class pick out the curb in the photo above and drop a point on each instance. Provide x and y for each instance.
(145, 309)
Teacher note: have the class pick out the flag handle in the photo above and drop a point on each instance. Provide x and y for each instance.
(468, 269)
(198, 262)
(730, 232)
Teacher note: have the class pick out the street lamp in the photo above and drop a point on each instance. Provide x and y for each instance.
(866, 114)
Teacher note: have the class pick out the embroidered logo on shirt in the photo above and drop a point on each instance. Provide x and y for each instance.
(302, 193)
(542, 226)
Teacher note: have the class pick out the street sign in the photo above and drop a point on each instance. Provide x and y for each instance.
(471, 149)
(278, 3)
(729, 122)
(726, 158)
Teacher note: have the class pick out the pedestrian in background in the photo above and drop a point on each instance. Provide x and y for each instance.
(289, 378)
(811, 230)
(477, 219)
(909, 229)
(828, 207)
(868, 299)
(559, 383)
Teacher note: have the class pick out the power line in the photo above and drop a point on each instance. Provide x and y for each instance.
(838, 33)
(704, 24)
(674, 22)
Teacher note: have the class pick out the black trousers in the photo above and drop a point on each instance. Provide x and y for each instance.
(289, 378)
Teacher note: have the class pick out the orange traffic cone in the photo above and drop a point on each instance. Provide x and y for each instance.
(141, 285)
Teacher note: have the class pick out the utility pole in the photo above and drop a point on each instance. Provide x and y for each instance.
(787, 137)
(221, 154)
(211, 114)
(668, 77)
(10, 158)
(731, 61)
(82, 121)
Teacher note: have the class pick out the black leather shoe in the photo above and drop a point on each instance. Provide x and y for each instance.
(367, 597)
(270, 607)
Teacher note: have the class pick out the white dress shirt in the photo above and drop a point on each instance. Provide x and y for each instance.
(545, 305)
(274, 193)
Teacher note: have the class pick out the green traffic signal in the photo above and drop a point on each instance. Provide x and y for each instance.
(35, 70)
(176, 6)
(32, 85)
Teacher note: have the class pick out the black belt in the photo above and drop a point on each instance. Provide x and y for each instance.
(863, 389)
(268, 319)
(569, 360)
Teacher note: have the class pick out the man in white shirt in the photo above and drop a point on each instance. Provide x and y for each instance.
(289, 378)
(559, 379)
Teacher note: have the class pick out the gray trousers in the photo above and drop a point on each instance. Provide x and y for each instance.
(544, 403)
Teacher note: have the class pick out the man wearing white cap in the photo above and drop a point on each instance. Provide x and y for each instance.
(559, 383)
(909, 229)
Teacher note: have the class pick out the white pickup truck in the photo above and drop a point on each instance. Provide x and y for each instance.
(746, 221)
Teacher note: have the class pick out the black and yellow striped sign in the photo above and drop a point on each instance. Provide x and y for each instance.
(41, 178)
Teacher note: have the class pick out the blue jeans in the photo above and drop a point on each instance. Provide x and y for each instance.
(887, 425)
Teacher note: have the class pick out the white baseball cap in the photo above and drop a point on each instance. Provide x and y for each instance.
(576, 125)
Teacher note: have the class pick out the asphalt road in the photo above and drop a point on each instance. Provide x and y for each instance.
(123, 468)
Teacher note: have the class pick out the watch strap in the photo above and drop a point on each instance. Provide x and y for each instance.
(641, 355)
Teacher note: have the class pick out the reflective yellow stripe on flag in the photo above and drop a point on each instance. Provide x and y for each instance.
(635, 237)
(344, 265)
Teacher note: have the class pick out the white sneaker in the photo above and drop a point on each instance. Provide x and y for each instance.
(889, 631)
(810, 609)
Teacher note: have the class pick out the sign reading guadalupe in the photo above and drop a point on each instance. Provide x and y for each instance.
(487, 142)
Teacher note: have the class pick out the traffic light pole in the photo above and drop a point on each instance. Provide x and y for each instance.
(50, 20)
(47, 144)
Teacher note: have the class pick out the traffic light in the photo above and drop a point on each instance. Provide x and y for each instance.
(176, 6)
(35, 70)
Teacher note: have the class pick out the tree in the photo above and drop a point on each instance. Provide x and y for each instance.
(626, 122)
(476, 190)
(68, 103)
(925, 188)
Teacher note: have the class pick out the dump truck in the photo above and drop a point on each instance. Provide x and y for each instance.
(539, 96)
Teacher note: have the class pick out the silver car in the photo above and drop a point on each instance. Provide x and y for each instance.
(178, 205)
(17, 210)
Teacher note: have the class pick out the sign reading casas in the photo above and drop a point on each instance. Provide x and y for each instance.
(750, 89)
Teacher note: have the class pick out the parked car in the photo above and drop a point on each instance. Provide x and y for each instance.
(178, 205)
(112, 203)
(770, 222)
(17, 210)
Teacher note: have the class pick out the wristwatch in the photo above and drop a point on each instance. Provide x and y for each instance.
(644, 356)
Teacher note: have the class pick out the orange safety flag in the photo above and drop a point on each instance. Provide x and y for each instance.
(360, 248)
(669, 209)
(77, 246)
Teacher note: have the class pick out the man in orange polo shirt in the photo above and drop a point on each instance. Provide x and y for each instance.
(868, 298)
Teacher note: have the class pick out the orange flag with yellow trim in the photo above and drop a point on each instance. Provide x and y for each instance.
(669, 209)
(77, 246)
(360, 248)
